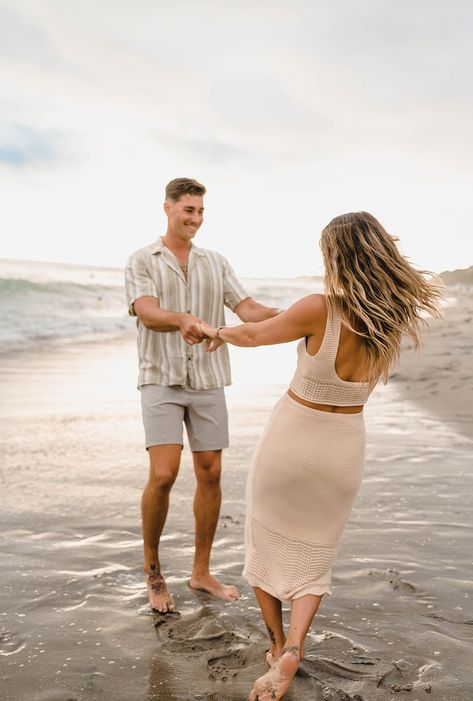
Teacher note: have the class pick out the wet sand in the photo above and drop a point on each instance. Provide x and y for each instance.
(74, 622)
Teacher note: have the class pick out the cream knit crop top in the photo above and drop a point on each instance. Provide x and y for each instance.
(316, 380)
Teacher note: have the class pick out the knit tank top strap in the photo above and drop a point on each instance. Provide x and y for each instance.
(328, 348)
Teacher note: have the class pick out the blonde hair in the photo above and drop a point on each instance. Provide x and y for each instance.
(378, 293)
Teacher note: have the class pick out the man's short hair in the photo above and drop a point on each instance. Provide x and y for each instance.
(183, 186)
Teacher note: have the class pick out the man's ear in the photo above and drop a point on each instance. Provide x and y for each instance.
(166, 206)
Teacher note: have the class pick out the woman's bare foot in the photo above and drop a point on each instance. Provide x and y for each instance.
(211, 585)
(272, 655)
(159, 597)
(275, 683)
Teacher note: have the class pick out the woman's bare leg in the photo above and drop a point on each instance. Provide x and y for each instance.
(271, 609)
(303, 611)
(274, 684)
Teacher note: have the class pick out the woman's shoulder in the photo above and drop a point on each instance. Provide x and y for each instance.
(315, 304)
(310, 311)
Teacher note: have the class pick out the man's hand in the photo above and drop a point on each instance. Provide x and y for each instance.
(191, 330)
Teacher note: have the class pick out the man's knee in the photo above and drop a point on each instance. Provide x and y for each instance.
(208, 467)
(164, 466)
(162, 480)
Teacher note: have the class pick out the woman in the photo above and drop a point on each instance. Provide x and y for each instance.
(309, 461)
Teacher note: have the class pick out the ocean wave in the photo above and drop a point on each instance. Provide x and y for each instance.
(43, 303)
(17, 286)
(48, 311)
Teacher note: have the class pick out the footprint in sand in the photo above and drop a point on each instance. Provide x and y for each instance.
(201, 632)
(225, 667)
(404, 676)
(402, 585)
(398, 584)
(181, 635)
(10, 643)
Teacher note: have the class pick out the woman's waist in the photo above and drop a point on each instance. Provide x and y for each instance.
(328, 408)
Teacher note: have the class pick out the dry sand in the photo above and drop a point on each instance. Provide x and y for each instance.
(74, 621)
(439, 377)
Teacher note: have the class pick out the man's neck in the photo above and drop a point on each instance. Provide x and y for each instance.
(178, 246)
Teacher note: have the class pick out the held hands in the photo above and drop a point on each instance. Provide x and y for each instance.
(194, 330)
(190, 327)
(210, 334)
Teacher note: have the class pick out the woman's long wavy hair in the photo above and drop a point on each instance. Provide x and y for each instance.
(378, 293)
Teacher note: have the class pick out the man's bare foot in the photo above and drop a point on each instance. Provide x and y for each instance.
(159, 597)
(275, 683)
(211, 585)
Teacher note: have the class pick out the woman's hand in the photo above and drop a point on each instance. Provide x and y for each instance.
(212, 341)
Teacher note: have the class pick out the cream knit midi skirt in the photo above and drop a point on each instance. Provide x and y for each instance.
(303, 480)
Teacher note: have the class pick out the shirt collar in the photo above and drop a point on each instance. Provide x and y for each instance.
(159, 247)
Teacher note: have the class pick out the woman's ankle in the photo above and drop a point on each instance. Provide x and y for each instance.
(295, 648)
(276, 648)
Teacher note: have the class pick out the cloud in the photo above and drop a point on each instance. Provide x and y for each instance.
(22, 41)
(302, 81)
(22, 146)
(208, 150)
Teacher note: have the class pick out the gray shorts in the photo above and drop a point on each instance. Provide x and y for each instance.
(203, 411)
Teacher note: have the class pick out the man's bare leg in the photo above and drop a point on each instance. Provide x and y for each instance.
(208, 496)
(164, 466)
(275, 683)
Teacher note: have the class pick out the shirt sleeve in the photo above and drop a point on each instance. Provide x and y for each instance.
(138, 282)
(233, 290)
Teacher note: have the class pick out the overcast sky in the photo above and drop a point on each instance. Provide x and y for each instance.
(289, 111)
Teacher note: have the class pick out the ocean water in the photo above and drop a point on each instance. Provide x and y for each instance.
(48, 303)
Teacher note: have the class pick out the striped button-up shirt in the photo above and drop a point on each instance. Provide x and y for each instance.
(164, 357)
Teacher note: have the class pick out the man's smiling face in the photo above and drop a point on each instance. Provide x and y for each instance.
(185, 216)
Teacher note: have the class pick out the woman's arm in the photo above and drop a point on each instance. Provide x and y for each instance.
(297, 321)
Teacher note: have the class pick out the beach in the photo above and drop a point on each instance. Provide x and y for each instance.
(74, 619)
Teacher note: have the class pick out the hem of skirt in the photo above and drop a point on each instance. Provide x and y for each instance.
(315, 589)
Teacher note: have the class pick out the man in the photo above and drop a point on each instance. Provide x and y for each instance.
(171, 287)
